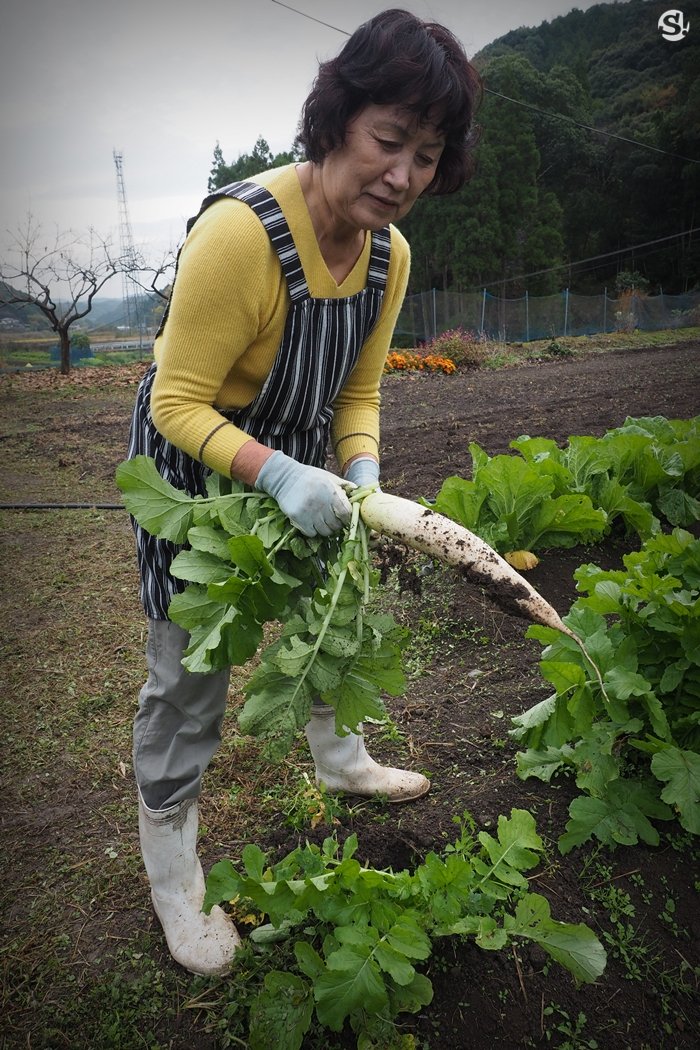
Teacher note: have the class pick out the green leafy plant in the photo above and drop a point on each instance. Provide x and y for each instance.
(658, 460)
(632, 739)
(362, 933)
(572, 1029)
(245, 565)
(556, 348)
(513, 506)
(548, 496)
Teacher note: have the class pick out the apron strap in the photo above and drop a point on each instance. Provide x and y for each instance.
(379, 259)
(270, 214)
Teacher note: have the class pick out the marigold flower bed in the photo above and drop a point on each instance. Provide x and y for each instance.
(411, 361)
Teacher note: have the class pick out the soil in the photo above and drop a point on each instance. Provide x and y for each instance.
(455, 719)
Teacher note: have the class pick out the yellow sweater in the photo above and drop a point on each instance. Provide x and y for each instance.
(226, 322)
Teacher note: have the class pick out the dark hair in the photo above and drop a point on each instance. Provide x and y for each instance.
(396, 58)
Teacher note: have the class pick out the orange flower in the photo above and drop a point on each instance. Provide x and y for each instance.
(411, 361)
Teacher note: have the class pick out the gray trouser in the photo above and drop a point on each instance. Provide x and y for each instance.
(177, 727)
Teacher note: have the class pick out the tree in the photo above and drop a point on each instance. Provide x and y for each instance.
(261, 159)
(60, 277)
(637, 182)
(506, 221)
(218, 164)
(528, 217)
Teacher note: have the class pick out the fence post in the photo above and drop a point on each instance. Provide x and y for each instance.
(605, 310)
(527, 318)
(483, 311)
(434, 315)
(566, 311)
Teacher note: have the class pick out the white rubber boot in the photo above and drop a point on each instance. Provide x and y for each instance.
(343, 764)
(203, 944)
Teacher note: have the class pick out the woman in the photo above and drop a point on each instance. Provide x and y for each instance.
(287, 292)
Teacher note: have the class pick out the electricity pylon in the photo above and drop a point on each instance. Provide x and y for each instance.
(133, 301)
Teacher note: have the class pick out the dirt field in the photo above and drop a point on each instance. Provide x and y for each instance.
(553, 400)
(68, 795)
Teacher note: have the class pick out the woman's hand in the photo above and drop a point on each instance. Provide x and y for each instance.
(313, 499)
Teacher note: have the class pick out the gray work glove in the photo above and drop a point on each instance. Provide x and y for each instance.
(363, 471)
(312, 499)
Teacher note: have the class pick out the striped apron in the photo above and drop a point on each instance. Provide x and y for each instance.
(293, 411)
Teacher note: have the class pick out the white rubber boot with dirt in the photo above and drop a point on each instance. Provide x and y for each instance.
(343, 764)
(203, 944)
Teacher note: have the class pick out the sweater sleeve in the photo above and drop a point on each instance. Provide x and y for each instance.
(355, 427)
(229, 284)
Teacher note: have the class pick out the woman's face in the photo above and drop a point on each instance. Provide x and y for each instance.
(387, 160)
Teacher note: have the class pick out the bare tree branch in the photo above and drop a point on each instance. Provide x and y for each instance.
(161, 269)
(59, 276)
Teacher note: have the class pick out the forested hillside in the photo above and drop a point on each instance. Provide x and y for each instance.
(548, 191)
(590, 147)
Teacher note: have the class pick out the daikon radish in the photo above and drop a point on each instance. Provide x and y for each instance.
(443, 539)
(440, 537)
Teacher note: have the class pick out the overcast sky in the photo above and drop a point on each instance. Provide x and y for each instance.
(161, 81)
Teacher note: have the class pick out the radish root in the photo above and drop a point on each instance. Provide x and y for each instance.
(425, 530)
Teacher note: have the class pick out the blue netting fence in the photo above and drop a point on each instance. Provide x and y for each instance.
(428, 314)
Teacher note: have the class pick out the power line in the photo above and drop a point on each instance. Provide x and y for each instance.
(593, 258)
(587, 127)
(311, 17)
(518, 102)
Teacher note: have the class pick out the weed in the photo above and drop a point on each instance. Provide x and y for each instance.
(558, 349)
(502, 358)
(638, 958)
(467, 827)
(463, 347)
(311, 805)
(668, 916)
(570, 1028)
(616, 901)
(637, 880)
(390, 732)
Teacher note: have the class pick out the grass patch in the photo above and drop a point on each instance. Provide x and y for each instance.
(507, 355)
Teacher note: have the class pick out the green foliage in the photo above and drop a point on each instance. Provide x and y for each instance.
(632, 741)
(79, 341)
(502, 223)
(607, 68)
(556, 348)
(248, 164)
(246, 566)
(512, 506)
(547, 496)
(364, 932)
(631, 281)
